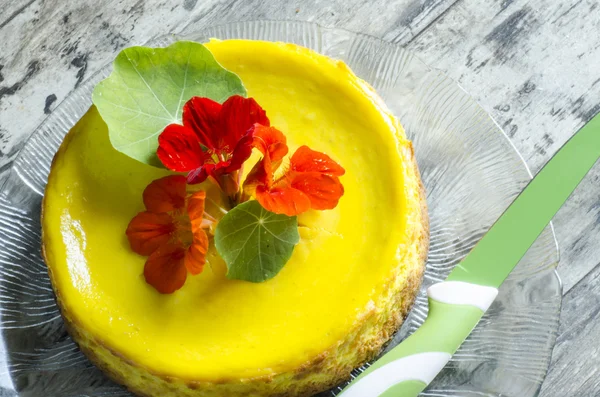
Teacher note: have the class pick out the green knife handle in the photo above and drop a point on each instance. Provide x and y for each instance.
(455, 308)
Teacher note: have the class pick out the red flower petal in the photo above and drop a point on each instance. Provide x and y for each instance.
(237, 116)
(241, 153)
(199, 175)
(270, 141)
(284, 200)
(165, 194)
(195, 256)
(272, 144)
(307, 160)
(147, 231)
(195, 208)
(202, 116)
(324, 191)
(165, 269)
(179, 149)
(258, 177)
(216, 171)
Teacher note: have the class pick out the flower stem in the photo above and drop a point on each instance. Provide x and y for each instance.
(234, 199)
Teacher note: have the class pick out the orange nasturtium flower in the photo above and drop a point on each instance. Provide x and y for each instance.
(310, 181)
(171, 233)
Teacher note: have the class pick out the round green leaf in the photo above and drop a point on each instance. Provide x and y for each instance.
(254, 242)
(148, 87)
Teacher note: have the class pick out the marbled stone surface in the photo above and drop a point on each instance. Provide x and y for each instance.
(534, 65)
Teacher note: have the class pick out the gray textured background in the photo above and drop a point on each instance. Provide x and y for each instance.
(534, 65)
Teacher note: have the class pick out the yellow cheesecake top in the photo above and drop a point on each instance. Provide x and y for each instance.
(213, 328)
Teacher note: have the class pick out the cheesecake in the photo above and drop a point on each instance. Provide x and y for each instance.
(346, 289)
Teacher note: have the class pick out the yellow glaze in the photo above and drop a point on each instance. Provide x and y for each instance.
(215, 329)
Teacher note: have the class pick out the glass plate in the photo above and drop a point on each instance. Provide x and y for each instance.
(471, 172)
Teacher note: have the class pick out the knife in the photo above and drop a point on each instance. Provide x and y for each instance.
(457, 304)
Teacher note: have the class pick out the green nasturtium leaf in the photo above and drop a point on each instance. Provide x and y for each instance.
(254, 242)
(147, 90)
